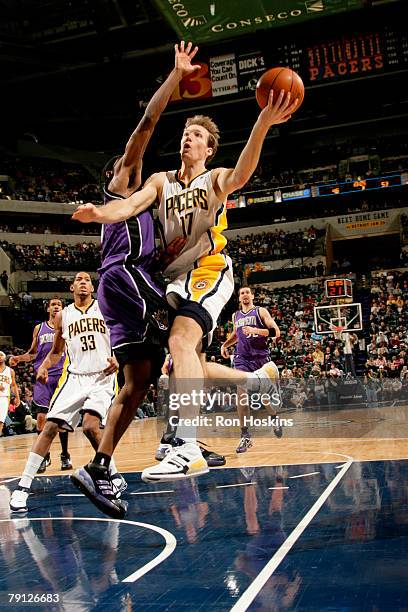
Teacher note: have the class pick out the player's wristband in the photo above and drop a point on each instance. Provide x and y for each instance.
(272, 332)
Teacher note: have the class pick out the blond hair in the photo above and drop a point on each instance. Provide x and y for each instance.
(212, 129)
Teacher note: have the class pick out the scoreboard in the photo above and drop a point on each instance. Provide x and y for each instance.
(346, 55)
(338, 288)
(318, 60)
(362, 184)
(359, 54)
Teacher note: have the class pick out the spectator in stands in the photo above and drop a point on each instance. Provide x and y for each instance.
(4, 279)
(318, 355)
(349, 340)
(371, 386)
(27, 299)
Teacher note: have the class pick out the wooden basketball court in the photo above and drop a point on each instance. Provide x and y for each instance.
(366, 434)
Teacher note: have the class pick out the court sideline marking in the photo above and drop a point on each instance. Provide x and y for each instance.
(255, 587)
(169, 538)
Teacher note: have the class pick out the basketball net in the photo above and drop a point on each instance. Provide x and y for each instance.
(337, 331)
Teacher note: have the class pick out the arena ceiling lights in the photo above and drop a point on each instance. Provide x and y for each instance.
(212, 20)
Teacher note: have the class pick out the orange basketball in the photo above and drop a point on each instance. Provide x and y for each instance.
(277, 79)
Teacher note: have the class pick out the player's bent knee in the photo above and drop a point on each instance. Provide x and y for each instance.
(179, 343)
(91, 431)
(50, 429)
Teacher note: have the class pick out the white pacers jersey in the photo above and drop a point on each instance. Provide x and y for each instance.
(194, 212)
(5, 382)
(87, 339)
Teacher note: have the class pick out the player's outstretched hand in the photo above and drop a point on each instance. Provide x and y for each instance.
(86, 213)
(184, 57)
(42, 375)
(166, 367)
(279, 111)
(224, 352)
(169, 254)
(112, 367)
(13, 361)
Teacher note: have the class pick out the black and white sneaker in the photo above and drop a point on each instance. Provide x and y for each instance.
(278, 431)
(95, 482)
(165, 447)
(184, 461)
(213, 459)
(18, 500)
(46, 462)
(244, 443)
(119, 483)
(66, 462)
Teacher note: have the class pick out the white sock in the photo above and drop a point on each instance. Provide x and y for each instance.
(190, 441)
(187, 433)
(112, 467)
(31, 468)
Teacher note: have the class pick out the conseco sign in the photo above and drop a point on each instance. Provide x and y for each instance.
(203, 20)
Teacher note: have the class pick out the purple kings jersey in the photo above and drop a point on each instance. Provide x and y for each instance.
(45, 339)
(130, 241)
(252, 346)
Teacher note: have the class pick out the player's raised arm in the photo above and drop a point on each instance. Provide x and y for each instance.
(137, 143)
(120, 210)
(227, 180)
(55, 353)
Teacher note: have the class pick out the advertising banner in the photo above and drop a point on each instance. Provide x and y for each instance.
(207, 21)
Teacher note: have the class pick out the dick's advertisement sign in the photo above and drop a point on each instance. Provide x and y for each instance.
(222, 75)
(207, 20)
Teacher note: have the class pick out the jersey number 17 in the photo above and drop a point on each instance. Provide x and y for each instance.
(187, 223)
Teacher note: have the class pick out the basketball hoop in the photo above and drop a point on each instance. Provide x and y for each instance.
(337, 331)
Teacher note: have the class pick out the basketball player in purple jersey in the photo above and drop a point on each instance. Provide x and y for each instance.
(252, 327)
(43, 338)
(131, 301)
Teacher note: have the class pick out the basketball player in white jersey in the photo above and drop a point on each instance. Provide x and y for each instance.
(192, 204)
(7, 384)
(87, 385)
(43, 337)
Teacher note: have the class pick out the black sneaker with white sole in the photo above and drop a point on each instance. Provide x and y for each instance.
(66, 462)
(44, 464)
(212, 458)
(95, 482)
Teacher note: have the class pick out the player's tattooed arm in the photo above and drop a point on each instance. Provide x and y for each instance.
(55, 353)
(120, 210)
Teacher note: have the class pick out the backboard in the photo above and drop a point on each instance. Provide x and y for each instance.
(347, 316)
